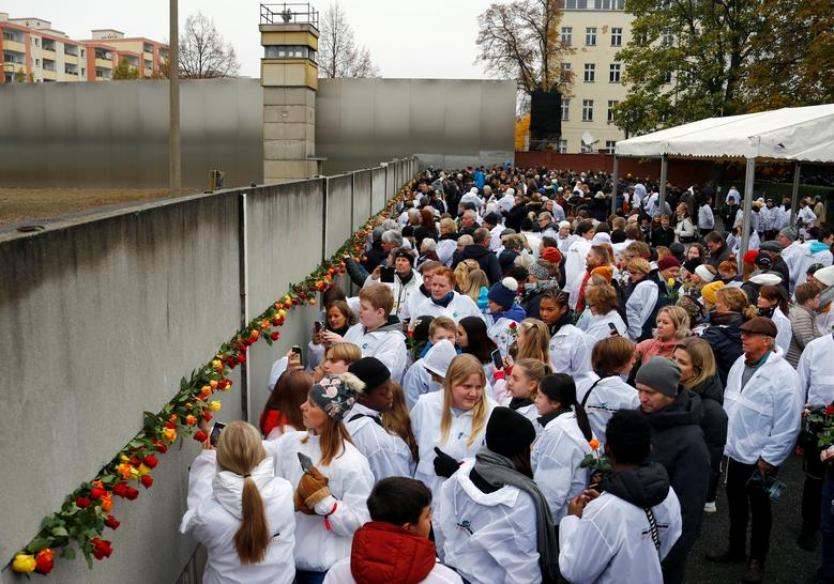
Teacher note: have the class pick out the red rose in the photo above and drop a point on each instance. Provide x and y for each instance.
(132, 493)
(112, 522)
(147, 481)
(121, 489)
(97, 492)
(135, 462)
(207, 417)
(150, 461)
(44, 561)
(513, 325)
(200, 436)
(829, 410)
(101, 548)
(274, 336)
(222, 384)
(161, 447)
(82, 502)
(241, 358)
(170, 425)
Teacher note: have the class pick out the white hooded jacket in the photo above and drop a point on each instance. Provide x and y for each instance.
(350, 482)
(555, 459)
(816, 372)
(570, 351)
(608, 395)
(487, 537)
(214, 515)
(460, 307)
(764, 415)
(386, 343)
(388, 455)
(639, 307)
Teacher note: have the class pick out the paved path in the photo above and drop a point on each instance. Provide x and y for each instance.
(786, 563)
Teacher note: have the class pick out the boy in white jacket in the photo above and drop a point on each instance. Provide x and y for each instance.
(376, 334)
(622, 534)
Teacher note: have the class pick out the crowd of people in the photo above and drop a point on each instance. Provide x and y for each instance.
(529, 388)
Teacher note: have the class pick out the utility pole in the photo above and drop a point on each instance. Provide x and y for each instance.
(174, 159)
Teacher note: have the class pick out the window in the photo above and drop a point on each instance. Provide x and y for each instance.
(147, 47)
(616, 37)
(614, 73)
(609, 146)
(36, 41)
(590, 72)
(612, 103)
(591, 36)
(565, 110)
(587, 110)
(564, 71)
(563, 146)
(667, 77)
(83, 53)
(567, 35)
(668, 39)
(83, 72)
(289, 52)
(148, 64)
(586, 148)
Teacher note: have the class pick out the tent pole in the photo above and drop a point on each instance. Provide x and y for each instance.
(749, 177)
(795, 192)
(615, 179)
(664, 169)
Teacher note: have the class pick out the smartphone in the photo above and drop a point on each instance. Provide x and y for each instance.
(297, 350)
(386, 275)
(304, 460)
(497, 361)
(614, 332)
(318, 326)
(215, 433)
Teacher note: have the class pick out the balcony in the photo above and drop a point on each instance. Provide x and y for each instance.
(71, 50)
(16, 57)
(48, 45)
(104, 64)
(104, 73)
(49, 65)
(70, 69)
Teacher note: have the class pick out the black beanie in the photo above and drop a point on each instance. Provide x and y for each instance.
(371, 371)
(405, 254)
(508, 433)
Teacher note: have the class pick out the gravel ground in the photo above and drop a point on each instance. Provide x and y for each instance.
(786, 563)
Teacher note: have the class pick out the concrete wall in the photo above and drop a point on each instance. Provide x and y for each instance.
(102, 317)
(115, 134)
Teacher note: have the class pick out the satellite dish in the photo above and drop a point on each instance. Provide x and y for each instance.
(588, 139)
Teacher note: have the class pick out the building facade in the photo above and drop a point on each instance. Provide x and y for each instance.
(32, 51)
(596, 29)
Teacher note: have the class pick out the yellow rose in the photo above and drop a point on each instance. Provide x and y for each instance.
(169, 434)
(143, 470)
(124, 470)
(213, 384)
(24, 563)
(215, 406)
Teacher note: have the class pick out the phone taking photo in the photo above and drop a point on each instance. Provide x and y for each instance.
(497, 360)
(297, 351)
(386, 275)
(318, 326)
(215, 433)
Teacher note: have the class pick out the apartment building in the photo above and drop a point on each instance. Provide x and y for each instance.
(596, 29)
(32, 51)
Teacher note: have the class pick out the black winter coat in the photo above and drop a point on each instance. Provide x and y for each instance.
(678, 444)
(724, 336)
(486, 259)
(714, 419)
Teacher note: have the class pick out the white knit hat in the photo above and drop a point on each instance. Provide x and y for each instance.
(703, 272)
(439, 357)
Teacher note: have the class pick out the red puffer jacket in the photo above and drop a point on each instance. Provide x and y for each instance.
(387, 554)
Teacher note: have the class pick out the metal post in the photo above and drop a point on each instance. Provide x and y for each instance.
(174, 161)
(749, 177)
(795, 192)
(614, 180)
(244, 300)
(325, 189)
(664, 169)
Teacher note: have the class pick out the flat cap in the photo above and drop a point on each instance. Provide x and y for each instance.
(759, 325)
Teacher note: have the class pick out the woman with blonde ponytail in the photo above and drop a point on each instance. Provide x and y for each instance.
(240, 511)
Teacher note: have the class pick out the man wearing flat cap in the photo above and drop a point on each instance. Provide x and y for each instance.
(763, 405)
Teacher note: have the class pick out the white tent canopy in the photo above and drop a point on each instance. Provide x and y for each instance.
(804, 134)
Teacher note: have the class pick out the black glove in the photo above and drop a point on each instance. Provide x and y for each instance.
(444, 465)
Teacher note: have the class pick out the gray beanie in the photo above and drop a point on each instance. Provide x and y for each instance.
(661, 374)
(789, 232)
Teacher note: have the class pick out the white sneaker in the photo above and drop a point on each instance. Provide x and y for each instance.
(709, 507)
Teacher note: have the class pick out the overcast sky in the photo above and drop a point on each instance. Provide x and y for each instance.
(407, 38)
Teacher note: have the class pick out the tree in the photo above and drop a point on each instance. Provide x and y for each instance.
(522, 40)
(203, 53)
(685, 61)
(794, 66)
(124, 71)
(339, 56)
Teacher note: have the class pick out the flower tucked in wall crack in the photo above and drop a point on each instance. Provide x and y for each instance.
(24, 563)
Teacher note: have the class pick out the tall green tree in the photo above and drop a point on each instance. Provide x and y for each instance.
(521, 40)
(685, 61)
(124, 71)
(794, 65)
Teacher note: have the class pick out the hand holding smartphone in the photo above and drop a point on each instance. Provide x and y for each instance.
(497, 360)
(215, 433)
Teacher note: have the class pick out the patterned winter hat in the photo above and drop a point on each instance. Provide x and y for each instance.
(336, 394)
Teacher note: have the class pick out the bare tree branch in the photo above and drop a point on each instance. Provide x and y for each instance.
(203, 54)
(339, 55)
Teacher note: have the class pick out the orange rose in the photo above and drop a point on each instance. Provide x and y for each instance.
(169, 434)
(594, 443)
(190, 420)
(125, 470)
(107, 502)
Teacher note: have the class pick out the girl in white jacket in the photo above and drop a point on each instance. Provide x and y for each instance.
(333, 478)
(240, 511)
(566, 440)
(519, 390)
(449, 425)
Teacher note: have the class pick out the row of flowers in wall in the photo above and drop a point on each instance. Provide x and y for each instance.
(86, 513)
